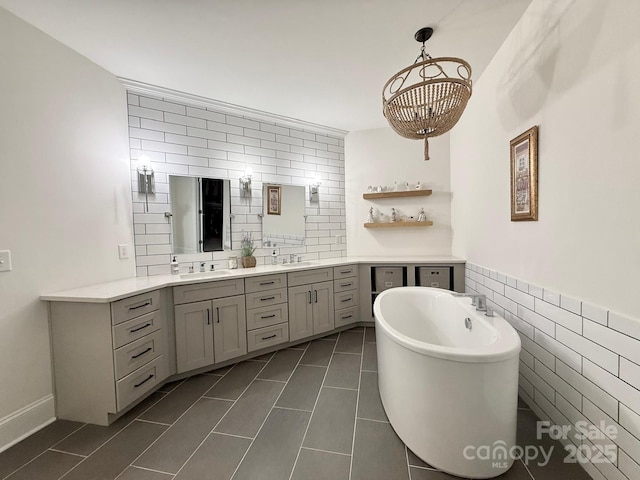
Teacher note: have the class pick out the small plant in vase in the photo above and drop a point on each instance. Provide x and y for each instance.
(247, 249)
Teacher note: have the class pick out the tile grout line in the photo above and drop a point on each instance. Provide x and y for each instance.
(325, 451)
(341, 388)
(294, 409)
(97, 448)
(355, 419)
(154, 423)
(148, 470)
(44, 451)
(119, 432)
(223, 416)
(317, 366)
(271, 410)
(527, 469)
(66, 453)
(406, 456)
(295, 463)
(169, 425)
(373, 420)
(229, 435)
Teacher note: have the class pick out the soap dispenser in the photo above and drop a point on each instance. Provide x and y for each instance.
(175, 267)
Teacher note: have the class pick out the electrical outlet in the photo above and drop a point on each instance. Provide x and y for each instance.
(123, 251)
(5, 260)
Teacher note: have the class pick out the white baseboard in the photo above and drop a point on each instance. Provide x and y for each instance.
(26, 421)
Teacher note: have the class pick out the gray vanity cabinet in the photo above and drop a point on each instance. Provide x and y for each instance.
(311, 304)
(345, 286)
(107, 356)
(229, 328)
(194, 335)
(209, 331)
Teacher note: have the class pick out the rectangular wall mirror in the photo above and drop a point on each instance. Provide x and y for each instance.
(283, 210)
(200, 214)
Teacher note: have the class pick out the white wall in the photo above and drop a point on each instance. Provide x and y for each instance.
(572, 69)
(566, 281)
(380, 157)
(65, 202)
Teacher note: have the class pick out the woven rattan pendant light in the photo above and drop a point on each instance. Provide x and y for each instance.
(427, 98)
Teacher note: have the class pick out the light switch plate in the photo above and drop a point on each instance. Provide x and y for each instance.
(123, 251)
(5, 260)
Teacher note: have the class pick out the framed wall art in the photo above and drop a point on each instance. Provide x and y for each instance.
(524, 176)
(274, 200)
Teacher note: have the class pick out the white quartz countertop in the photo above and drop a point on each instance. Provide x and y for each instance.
(118, 289)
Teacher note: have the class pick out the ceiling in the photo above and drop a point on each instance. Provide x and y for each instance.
(321, 61)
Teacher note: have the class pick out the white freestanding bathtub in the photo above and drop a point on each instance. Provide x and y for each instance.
(450, 392)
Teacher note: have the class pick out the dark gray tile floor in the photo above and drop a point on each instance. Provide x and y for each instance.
(311, 412)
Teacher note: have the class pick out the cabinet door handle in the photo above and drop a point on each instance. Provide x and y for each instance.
(218, 314)
(346, 284)
(151, 375)
(344, 272)
(268, 316)
(208, 317)
(346, 316)
(348, 299)
(267, 298)
(316, 293)
(309, 296)
(270, 336)
(142, 353)
(267, 283)
(145, 304)
(134, 330)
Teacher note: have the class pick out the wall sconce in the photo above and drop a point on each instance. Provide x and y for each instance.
(146, 180)
(314, 190)
(245, 183)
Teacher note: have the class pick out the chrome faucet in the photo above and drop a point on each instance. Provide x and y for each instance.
(477, 300)
(202, 266)
(292, 258)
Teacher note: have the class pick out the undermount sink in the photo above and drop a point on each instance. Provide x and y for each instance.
(216, 273)
(296, 264)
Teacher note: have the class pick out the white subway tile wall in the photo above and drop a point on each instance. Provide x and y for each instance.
(579, 363)
(185, 139)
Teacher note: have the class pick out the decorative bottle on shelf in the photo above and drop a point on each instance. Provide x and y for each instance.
(175, 267)
(370, 218)
(394, 215)
(421, 216)
(418, 186)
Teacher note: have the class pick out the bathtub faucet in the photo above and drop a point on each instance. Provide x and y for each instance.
(477, 300)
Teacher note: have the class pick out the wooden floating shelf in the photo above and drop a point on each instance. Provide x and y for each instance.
(406, 193)
(398, 224)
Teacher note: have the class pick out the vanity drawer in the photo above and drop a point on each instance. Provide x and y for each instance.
(345, 271)
(131, 330)
(197, 292)
(268, 336)
(345, 299)
(344, 284)
(346, 316)
(133, 307)
(265, 282)
(136, 354)
(139, 382)
(262, 299)
(304, 277)
(267, 316)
